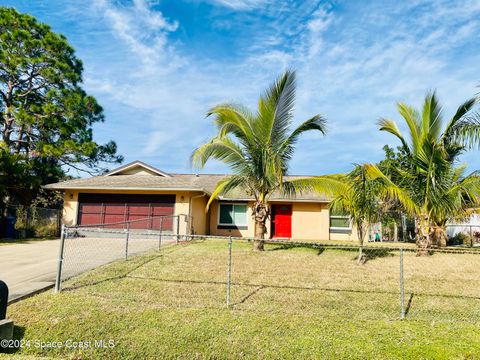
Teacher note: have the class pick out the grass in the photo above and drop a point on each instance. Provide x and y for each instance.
(408, 245)
(287, 302)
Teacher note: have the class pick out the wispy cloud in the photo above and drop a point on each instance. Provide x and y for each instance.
(354, 61)
(143, 30)
(241, 4)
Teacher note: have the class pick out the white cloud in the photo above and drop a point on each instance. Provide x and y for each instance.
(352, 70)
(143, 30)
(242, 4)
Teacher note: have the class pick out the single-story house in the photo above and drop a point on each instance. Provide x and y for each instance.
(139, 191)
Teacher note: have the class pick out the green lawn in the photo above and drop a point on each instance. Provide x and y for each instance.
(288, 302)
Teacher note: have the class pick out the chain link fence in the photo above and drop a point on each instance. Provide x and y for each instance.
(463, 235)
(30, 221)
(289, 277)
(86, 247)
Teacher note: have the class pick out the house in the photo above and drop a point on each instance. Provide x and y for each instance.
(470, 226)
(138, 191)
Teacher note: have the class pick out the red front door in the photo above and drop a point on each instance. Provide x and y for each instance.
(282, 221)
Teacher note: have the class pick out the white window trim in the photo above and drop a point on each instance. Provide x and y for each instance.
(341, 217)
(233, 204)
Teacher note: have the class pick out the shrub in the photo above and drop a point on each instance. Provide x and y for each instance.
(476, 236)
(460, 239)
(46, 230)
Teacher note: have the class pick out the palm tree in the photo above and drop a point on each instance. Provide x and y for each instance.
(364, 194)
(432, 178)
(258, 148)
(359, 200)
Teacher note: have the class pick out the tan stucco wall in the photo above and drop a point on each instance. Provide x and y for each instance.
(214, 230)
(137, 171)
(70, 207)
(351, 235)
(199, 215)
(310, 221)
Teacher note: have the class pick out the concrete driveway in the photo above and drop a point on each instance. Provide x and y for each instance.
(28, 267)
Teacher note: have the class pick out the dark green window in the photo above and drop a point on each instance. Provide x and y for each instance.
(232, 214)
(339, 221)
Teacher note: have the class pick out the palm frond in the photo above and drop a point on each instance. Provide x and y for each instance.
(233, 118)
(328, 185)
(411, 117)
(222, 149)
(226, 186)
(462, 111)
(466, 131)
(388, 190)
(392, 127)
(276, 107)
(316, 122)
(431, 117)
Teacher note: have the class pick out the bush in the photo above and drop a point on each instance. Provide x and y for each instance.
(476, 236)
(460, 239)
(46, 230)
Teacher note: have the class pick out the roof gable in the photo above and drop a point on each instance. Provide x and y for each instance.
(137, 168)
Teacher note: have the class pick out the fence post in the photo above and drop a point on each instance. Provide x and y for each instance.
(402, 288)
(229, 270)
(58, 280)
(59, 223)
(127, 234)
(160, 235)
(471, 235)
(178, 230)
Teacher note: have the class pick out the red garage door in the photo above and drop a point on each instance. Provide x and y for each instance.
(144, 211)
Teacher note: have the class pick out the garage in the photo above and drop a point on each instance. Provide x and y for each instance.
(113, 210)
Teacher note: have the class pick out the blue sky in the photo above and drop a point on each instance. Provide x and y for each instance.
(158, 66)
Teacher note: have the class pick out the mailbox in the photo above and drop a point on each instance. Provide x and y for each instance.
(6, 326)
(3, 300)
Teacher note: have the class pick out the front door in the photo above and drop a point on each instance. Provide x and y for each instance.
(281, 221)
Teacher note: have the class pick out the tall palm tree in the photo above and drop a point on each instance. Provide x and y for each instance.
(432, 177)
(258, 146)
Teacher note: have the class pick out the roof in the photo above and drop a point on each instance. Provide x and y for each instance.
(137, 164)
(155, 181)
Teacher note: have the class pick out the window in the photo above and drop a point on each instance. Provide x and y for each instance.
(340, 221)
(232, 215)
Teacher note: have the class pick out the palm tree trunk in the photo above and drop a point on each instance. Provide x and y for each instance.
(260, 212)
(258, 243)
(361, 237)
(423, 236)
(439, 236)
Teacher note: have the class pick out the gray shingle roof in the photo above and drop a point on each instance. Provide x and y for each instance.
(176, 182)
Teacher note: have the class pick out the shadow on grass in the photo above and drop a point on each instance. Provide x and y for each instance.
(368, 253)
(376, 254)
(283, 247)
(249, 295)
(409, 304)
(18, 334)
(259, 287)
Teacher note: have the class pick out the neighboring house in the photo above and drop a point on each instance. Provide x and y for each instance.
(468, 226)
(137, 190)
